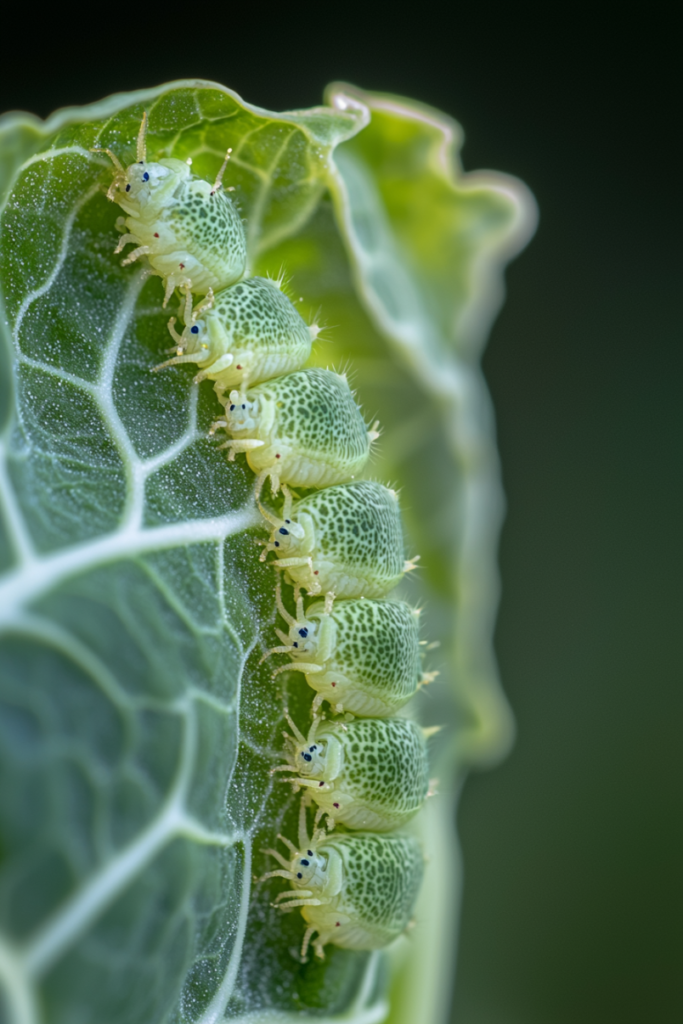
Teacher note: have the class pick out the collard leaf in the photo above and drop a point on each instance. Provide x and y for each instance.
(137, 728)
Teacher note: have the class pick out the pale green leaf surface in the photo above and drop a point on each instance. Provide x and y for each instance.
(136, 730)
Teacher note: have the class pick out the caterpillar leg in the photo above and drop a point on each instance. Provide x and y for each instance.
(178, 338)
(311, 902)
(236, 447)
(217, 425)
(289, 619)
(308, 668)
(124, 240)
(312, 587)
(330, 820)
(174, 281)
(224, 363)
(279, 873)
(273, 475)
(186, 357)
(287, 507)
(308, 935)
(112, 156)
(284, 649)
(203, 306)
(141, 250)
(285, 563)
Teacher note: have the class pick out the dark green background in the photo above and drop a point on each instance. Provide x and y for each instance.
(573, 847)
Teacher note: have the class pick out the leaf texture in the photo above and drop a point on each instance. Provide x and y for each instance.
(137, 729)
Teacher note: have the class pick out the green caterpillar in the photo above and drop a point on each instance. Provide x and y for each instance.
(302, 428)
(371, 773)
(362, 656)
(356, 891)
(242, 335)
(190, 231)
(346, 539)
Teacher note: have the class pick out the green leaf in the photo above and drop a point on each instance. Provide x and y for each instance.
(137, 728)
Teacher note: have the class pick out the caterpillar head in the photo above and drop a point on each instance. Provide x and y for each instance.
(288, 537)
(144, 186)
(284, 540)
(241, 414)
(307, 756)
(303, 635)
(194, 336)
(309, 868)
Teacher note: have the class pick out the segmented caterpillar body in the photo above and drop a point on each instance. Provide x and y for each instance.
(371, 773)
(190, 231)
(303, 428)
(242, 335)
(346, 539)
(356, 891)
(361, 656)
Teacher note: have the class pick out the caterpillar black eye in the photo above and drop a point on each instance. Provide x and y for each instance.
(243, 406)
(276, 543)
(307, 757)
(305, 863)
(288, 521)
(145, 176)
(194, 330)
(127, 188)
(285, 533)
(314, 747)
(303, 633)
(232, 408)
(309, 852)
(299, 875)
(295, 644)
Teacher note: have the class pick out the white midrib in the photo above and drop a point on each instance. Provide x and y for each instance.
(34, 573)
(38, 575)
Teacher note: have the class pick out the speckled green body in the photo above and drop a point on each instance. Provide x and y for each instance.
(251, 333)
(382, 876)
(370, 774)
(362, 657)
(365, 884)
(308, 427)
(192, 233)
(352, 543)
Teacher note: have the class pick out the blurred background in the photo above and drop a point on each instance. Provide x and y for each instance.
(573, 903)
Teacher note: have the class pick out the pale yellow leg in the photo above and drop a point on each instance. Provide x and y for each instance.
(308, 935)
(124, 241)
(141, 250)
(236, 447)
